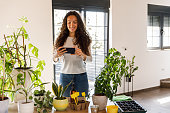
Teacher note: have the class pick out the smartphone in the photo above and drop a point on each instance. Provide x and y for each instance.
(69, 50)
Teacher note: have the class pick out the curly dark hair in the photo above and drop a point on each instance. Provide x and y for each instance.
(82, 39)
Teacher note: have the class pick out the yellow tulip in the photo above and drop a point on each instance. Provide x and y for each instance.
(84, 94)
(77, 94)
(74, 97)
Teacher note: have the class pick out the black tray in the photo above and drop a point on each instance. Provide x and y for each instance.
(129, 107)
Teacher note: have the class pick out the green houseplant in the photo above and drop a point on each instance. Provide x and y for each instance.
(44, 101)
(131, 69)
(107, 82)
(24, 57)
(60, 102)
(22, 53)
(27, 104)
(6, 82)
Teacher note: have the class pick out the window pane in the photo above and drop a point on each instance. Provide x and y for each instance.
(100, 19)
(156, 42)
(166, 41)
(91, 18)
(149, 41)
(153, 31)
(166, 33)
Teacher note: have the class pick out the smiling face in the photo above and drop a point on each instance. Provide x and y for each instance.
(72, 23)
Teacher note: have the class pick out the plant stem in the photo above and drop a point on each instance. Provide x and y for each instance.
(3, 79)
(17, 50)
(24, 47)
(10, 53)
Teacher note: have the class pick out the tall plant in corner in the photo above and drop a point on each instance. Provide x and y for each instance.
(107, 82)
(22, 53)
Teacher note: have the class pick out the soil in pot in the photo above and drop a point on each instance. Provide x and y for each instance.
(5, 98)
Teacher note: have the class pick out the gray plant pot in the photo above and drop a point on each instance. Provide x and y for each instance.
(4, 105)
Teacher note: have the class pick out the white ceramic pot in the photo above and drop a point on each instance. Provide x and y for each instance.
(4, 105)
(101, 101)
(25, 107)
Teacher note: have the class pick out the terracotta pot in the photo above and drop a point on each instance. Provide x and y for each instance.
(4, 105)
(100, 100)
(60, 105)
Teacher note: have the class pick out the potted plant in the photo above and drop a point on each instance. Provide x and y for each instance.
(60, 102)
(6, 82)
(131, 69)
(44, 102)
(22, 54)
(79, 104)
(26, 106)
(109, 79)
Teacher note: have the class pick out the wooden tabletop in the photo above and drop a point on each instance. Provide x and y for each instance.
(12, 108)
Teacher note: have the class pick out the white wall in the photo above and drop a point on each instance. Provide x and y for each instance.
(129, 30)
(129, 27)
(39, 13)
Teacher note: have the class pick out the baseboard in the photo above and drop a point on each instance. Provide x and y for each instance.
(142, 90)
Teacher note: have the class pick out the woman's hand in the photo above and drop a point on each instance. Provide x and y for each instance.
(60, 51)
(79, 52)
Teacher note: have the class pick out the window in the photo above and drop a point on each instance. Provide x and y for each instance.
(158, 29)
(96, 22)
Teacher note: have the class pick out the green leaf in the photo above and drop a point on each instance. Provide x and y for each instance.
(55, 88)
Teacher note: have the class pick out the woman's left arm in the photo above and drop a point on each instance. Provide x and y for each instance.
(86, 58)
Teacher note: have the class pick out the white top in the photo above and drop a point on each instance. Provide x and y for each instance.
(72, 64)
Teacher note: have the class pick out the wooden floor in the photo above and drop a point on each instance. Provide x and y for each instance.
(156, 100)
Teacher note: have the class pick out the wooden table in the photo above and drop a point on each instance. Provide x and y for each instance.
(12, 108)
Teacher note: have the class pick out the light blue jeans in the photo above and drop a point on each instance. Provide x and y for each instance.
(80, 83)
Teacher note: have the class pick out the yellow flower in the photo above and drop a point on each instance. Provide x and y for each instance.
(83, 94)
(73, 95)
(77, 94)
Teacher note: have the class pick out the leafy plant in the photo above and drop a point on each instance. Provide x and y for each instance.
(131, 68)
(39, 92)
(21, 53)
(26, 90)
(58, 90)
(111, 74)
(6, 81)
(44, 103)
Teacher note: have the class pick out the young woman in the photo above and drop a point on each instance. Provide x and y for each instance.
(73, 35)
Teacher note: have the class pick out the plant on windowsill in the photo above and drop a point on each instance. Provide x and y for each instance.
(131, 69)
(24, 57)
(60, 102)
(107, 82)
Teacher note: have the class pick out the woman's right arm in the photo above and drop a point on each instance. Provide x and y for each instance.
(58, 52)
